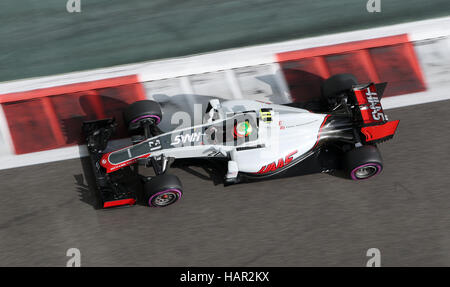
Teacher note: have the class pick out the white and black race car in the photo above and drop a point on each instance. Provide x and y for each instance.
(257, 140)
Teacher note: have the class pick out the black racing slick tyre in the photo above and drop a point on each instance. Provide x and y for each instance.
(162, 190)
(363, 162)
(140, 111)
(335, 85)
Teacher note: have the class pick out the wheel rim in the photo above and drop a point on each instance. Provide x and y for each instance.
(165, 198)
(365, 171)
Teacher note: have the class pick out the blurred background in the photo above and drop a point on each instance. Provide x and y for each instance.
(47, 200)
(41, 38)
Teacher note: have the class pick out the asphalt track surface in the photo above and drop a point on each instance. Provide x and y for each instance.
(312, 220)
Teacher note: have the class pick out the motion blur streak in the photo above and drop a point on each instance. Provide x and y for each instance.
(317, 219)
(309, 220)
(42, 38)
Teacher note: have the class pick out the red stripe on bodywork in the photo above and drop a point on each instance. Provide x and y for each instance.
(320, 130)
(128, 201)
(110, 167)
(378, 132)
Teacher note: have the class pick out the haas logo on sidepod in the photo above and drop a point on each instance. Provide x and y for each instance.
(375, 105)
(274, 165)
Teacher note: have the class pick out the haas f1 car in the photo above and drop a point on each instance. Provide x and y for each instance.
(256, 140)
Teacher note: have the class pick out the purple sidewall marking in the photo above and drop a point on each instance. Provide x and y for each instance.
(177, 191)
(379, 168)
(158, 119)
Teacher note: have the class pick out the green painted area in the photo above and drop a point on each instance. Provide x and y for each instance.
(39, 37)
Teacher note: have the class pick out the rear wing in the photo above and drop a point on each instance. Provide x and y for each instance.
(374, 124)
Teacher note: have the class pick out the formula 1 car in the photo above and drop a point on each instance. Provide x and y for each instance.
(257, 140)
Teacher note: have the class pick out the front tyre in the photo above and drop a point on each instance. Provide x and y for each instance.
(363, 162)
(162, 190)
(141, 111)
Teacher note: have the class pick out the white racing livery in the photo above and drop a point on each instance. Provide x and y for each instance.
(256, 140)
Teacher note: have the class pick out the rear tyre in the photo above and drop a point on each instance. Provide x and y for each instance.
(140, 111)
(363, 162)
(162, 190)
(335, 86)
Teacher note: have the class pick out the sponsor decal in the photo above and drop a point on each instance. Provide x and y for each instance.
(155, 145)
(120, 165)
(194, 137)
(282, 162)
(375, 105)
(266, 115)
(110, 167)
